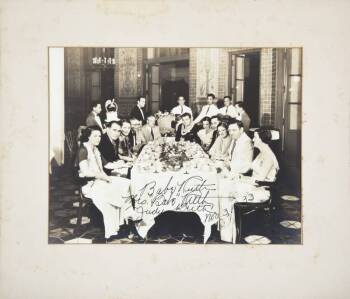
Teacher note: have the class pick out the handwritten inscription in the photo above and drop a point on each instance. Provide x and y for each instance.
(193, 194)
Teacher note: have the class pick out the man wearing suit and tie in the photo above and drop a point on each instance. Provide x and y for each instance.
(208, 110)
(228, 109)
(214, 123)
(240, 150)
(138, 111)
(243, 116)
(93, 119)
(108, 146)
(150, 131)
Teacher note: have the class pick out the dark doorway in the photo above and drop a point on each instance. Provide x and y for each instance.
(174, 83)
(251, 92)
(171, 90)
(107, 84)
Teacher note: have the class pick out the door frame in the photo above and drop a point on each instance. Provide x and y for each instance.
(230, 83)
(147, 66)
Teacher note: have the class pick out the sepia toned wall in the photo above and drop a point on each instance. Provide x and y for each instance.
(75, 91)
(83, 82)
(128, 78)
(209, 73)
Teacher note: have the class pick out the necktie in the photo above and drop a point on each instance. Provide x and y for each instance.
(182, 110)
(207, 110)
(233, 147)
(115, 149)
(152, 134)
(226, 109)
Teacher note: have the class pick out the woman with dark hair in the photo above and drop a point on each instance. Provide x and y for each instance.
(219, 150)
(186, 130)
(265, 165)
(205, 135)
(111, 195)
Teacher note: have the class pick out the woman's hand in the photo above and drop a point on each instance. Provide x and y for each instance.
(103, 177)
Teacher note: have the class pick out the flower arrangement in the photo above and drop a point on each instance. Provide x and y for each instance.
(173, 155)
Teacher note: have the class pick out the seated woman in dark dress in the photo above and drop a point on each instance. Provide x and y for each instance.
(186, 131)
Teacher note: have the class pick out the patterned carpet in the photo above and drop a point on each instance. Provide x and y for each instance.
(286, 226)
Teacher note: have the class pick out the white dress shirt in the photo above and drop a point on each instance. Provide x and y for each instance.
(181, 110)
(229, 110)
(207, 110)
(242, 154)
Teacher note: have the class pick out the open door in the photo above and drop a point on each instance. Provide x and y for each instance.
(245, 83)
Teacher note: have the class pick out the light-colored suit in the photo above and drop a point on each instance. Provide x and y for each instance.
(230, 111)
(241, 152)
(178, 111)
(207, 110)
(147, 135)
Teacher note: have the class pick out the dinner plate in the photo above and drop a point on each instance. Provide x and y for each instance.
(290, 198)
(257, 240)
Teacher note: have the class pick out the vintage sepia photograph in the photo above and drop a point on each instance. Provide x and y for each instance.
(175, 145)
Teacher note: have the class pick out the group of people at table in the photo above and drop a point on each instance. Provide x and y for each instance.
(111, 147)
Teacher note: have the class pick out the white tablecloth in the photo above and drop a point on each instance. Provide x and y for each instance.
(230, 192)
(199, 189)
(195, 191)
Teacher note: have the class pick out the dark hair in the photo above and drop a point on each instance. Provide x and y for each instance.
(228, 97)
(223, 124)
(240, 104)
(220, 103)
(125, 121)
(94, 104)
(86, 133)
(264, 134)
(211, 95)
(236, 121)
(226, 118)
(109, 124)
(133, 118)
(215, 116)
(181, 97)
(206, 118)
(111, 107)
(186, 114)
(140, 97)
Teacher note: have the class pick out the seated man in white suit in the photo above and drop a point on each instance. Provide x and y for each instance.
(228, 108)
(181, 108)
(208, 110)
(150, 131)
(240, 150)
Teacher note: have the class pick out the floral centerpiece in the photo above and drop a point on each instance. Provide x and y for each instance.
(173, 155)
